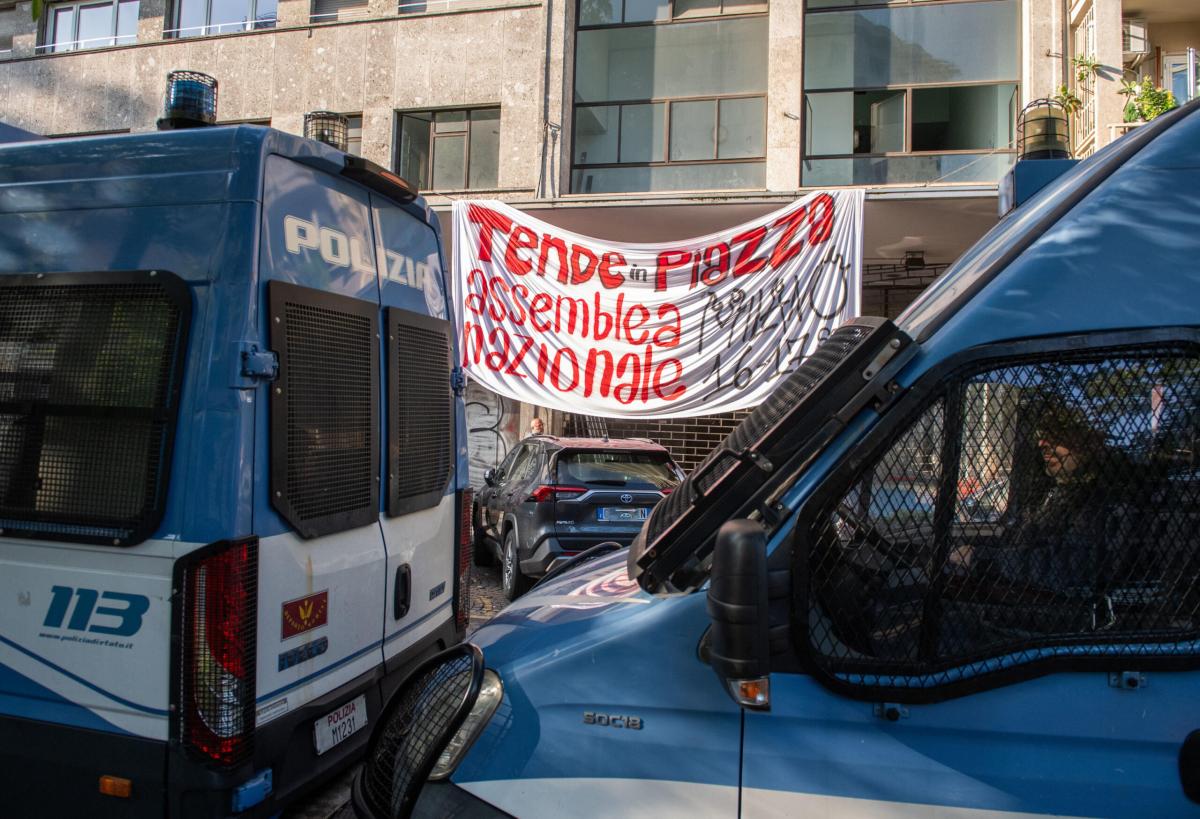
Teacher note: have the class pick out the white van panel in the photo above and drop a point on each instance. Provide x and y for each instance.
(90, 627)
(425, 541)
(342, 572)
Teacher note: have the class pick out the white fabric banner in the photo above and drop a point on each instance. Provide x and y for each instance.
(651, 330)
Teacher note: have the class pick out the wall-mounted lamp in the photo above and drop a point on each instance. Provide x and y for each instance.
(328, 127)
(190, 101)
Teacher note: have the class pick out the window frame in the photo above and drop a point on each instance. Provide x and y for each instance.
(908, 120)
(465, 134)
(908, 88)
(864, 454)
(49, 46)
(670, 20)
(252, 24)
(667, 102)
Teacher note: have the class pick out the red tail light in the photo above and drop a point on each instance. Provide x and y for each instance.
(667, 490)
(466, 544)
(217, 612)
(551, 492)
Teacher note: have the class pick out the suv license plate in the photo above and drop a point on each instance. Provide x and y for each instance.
(621, 513)
(337, 726)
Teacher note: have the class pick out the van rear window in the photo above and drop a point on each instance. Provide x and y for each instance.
(630, 469)
(90, 372)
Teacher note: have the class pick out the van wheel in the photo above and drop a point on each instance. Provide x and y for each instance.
(481, 550)
(514, 582)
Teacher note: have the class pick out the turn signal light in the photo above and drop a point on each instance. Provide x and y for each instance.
(754, 694)
(547, 492)
(116, 786)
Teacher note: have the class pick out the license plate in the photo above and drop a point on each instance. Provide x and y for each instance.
(337, 726)
(620, 513)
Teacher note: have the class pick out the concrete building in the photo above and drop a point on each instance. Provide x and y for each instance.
(1112, 43)
(634, 120)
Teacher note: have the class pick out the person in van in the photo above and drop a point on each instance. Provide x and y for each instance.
(1056, 552)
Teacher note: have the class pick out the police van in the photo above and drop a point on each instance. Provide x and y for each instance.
(951, 568)
(232, 467)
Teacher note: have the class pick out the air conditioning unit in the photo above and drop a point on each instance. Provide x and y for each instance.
(1135, 38)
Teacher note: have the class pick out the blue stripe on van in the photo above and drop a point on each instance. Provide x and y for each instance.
(158, 712)
(27, 699)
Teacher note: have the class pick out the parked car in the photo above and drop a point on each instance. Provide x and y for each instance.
(552, 498)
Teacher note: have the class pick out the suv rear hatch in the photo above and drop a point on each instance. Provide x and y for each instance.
(607, 494)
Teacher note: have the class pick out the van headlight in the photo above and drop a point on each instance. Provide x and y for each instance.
(491, 691)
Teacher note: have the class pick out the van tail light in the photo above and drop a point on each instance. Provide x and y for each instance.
(552, 492)
(216, 615)
(462, 573)
(667, 490)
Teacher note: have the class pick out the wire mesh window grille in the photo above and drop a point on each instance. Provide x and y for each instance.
(1035, 511)
(325, 427)
(413, 732)
(421, 420)
(89, 381)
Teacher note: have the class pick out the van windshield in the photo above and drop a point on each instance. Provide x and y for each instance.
(634, 470)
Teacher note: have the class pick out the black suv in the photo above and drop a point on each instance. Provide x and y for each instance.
(553, 497)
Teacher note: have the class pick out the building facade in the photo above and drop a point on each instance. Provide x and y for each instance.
(631, 120)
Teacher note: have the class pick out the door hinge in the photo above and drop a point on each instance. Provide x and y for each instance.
(458, 380)
(257, 365)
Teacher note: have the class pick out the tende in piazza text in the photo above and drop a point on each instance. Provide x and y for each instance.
(519, 313)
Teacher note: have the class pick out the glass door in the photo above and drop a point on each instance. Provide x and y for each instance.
(1181, 75)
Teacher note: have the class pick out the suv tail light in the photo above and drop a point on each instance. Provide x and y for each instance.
(216, 619)
(466, 545)
(547, 492)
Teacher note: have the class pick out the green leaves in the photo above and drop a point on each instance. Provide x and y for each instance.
(35, 9)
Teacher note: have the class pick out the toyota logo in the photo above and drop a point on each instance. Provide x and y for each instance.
(627, 498)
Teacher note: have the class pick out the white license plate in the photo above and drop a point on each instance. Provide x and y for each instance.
(621, 513)
(337, 725)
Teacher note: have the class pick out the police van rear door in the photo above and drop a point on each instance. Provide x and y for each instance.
(420, 519)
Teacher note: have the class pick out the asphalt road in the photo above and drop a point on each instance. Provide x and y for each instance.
(334, 801)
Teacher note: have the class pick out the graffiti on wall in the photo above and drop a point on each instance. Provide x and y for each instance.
(493, 427)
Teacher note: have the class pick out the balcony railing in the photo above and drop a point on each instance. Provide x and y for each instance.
(81, 45)
(232, 27)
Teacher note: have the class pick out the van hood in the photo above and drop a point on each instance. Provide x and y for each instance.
(598, 594)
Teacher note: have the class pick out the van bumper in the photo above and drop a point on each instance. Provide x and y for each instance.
(59, 766)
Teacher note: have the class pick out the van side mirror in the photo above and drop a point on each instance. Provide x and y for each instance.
(489, 477)
(740, 651)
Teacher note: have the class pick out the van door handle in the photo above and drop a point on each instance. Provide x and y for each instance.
(402, 593)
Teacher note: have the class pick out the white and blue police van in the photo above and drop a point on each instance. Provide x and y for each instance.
(232, 467)
(951, 568)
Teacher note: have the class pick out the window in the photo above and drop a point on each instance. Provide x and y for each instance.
(354, 134)
(909, 94)
(73, 26)
(330, 11)
(650, 116)
(1041, 507)
(200, 18)
(450, 150)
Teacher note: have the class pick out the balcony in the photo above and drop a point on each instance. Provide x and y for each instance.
(1158, 47)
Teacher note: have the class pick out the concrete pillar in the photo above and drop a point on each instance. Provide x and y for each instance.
(785, 93)
(25, 30)
(152, 20)
(555, 131)
(293, 13)
(1042, 23)
(1109, 103)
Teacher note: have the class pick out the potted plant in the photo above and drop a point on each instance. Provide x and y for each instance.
(1067, 99)
(1085, 66)
(1146, 101)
